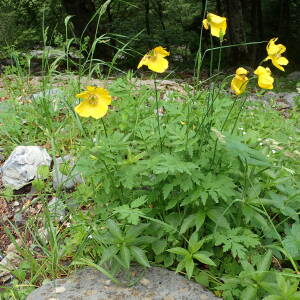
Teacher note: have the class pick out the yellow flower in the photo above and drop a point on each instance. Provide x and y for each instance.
(217, 25)
(240, 81)
(265, 80)
(274, 53)
(95, 102)
(155, 60)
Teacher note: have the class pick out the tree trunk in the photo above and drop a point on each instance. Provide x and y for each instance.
(83, 11)
(257, 34)
(236, 31)
(284, 20)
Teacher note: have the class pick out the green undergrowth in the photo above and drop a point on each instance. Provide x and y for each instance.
(213, 194)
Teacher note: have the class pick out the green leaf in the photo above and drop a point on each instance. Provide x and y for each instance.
(125, 256)
(202, 278)
(189, 266)
(193, 220)
(43, 172)
(39, 185)
(138, 202)
(179, 251)
(167, 188)
(139, 256)
(159, 246)
(114, 229)
(203, 258)
(265, 263)
(217, 217)
(134, 231)
(108, 253)
(249, 293)
(180, 266)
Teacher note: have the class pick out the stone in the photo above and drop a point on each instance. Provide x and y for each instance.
(18, 218)
(22, 165)
(89, 284)
(294, 75)
(70, 178)
(9, 263)
(57, 209)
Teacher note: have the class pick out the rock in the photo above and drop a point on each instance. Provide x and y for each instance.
(21, 166)
(294, 75)
(70, 178)
(8, 263)
(18, 218)
(57, 209)
(47, 93)
(90, 284)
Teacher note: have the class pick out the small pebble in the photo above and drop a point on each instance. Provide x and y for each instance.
(16, 203)
(60, 289)
(145, 282)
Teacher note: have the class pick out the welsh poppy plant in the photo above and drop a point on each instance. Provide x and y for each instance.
(274, 53)
(95, 102)
(155, 60)
(217, 24)
(240, 81)
(265, 80)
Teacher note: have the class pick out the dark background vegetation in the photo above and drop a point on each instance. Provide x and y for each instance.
(175, 24)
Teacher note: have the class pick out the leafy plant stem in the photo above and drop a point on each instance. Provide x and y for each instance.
(157, 112)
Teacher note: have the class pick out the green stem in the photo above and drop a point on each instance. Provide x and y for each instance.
(211, 56)
(235, 122)
(198, 62)
(220, 56)
(157, 113)
(104, 127)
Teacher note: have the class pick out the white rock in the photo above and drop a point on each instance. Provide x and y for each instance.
(21, 166)
(65, 181)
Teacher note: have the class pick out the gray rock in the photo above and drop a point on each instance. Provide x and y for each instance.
(57, 209)
(294, 75)
(21, 166)
(2, 157)
(70, 178)
(47, 93)
(18, 218)
(154, 283)
(268, 97)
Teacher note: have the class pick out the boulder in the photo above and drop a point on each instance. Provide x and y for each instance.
(150, 284)
(22, 165)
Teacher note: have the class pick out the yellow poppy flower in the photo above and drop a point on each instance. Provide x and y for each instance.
(240, 81)
(217, 24)
(155, 60)
(265, 80)
(95, 102)
(274, 53)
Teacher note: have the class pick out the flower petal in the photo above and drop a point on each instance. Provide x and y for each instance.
(158, 64)
(143, 61)
(238, 84)
(205, 24)
(160, 50)
(241, 71)
(103, 95)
